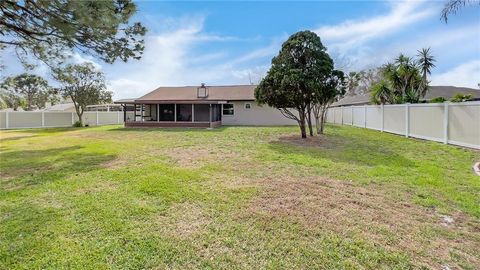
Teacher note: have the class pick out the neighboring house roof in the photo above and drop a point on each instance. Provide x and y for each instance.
(61, 107)
(434, 91)
(189, 93)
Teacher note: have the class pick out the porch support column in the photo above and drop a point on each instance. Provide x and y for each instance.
(141, 112)
(175, 113)
(158, 112)
(193, 113)
(210, 115)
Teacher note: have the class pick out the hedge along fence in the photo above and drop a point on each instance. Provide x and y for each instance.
(452, 123)
(15, 120)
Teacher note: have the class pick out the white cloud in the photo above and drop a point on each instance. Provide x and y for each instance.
(464, 75)
(353, 32)
(172, 58)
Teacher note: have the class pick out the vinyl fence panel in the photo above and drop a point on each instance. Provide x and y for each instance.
(394, 119)
(374, 117)
(347, 115)
(464, 125)
(15, 120)
(57, 119)
(3, 120)
(454, 123)
(359, 116)
(427, 121)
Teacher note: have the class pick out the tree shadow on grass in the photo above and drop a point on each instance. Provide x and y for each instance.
(169, 129)
(23, 168)
(356, 151)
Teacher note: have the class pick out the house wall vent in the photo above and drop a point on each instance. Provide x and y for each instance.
(202, 91)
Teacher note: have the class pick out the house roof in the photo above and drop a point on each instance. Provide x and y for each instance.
(60, 107)
(434, 91)
(189, 93)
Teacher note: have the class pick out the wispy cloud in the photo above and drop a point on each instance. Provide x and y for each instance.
(350, 32)
(467, 74)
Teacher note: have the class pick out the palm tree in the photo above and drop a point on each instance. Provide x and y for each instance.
(452, 6)
(426, 62)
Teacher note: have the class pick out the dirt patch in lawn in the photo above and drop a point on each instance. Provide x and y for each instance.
(195, 157)
(183, 220)
(319, 141)
(372, 212)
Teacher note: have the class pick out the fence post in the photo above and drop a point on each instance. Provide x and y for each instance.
(97, 118)
(365, 116)
(73, 119)
(382, 115)
(407, 119)
(6, 120)
(341, 113)
(445, 122)
(351, 108)
(43, 119)
(118, 117)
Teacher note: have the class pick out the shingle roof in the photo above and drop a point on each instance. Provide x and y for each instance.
(434, 91)
(189, 93)
(60, 107)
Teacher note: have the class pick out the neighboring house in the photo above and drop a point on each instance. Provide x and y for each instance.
(200, 106)
(62, 107)
(434, 91)
(69, 107)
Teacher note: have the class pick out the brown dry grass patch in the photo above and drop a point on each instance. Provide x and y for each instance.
(183, 220)
(372, 212)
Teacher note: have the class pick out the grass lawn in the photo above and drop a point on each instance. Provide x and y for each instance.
(235, 197)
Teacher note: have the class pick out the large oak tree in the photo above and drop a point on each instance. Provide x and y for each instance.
(297, 72)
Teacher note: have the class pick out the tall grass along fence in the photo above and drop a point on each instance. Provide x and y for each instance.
(14, 120)
(452, 123)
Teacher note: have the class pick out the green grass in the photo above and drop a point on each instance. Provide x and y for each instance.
(234, 197)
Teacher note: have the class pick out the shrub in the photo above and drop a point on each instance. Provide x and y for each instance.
(459, 97)
(77, 124)
(438, 100)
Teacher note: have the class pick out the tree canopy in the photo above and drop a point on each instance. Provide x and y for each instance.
(49, 30)
(404, 80)
(298, 73)
(84, 85)
(27, 91)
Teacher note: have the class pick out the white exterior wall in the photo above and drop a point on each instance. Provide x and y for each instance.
(255, 116)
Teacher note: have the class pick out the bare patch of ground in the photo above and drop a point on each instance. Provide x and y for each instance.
(183, 220)
(197, 156)
(370, 211)
(315, 141)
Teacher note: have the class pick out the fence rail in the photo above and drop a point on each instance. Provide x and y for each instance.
(17, 120)
(452, 123)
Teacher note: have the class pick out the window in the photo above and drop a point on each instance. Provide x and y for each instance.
(227, 109)
(248, 106)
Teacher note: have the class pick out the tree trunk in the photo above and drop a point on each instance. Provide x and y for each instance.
(309, 120)
(302, 124)
(318, 124)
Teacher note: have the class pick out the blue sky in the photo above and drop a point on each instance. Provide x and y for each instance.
(233, 42)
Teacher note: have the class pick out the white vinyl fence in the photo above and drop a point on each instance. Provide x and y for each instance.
(452, 123)
(14, 120)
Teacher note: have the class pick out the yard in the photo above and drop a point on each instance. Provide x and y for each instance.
(235, 197)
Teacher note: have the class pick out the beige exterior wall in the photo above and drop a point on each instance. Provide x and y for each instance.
(255, 116)
(454, 123)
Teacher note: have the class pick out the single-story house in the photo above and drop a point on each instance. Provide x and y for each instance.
(434, 91)
(200, 106)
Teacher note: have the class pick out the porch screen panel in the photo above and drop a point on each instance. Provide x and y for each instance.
(202, 112)
(167, 112)
(184, 112)
(216, 113)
